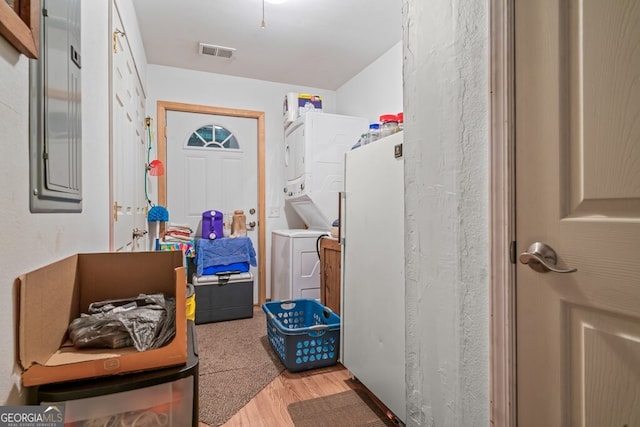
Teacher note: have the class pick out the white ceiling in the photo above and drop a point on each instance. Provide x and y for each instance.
(317, 43)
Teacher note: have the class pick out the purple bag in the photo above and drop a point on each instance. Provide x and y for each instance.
(211, 224)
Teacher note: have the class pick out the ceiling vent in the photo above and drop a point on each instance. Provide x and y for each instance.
(213, 50)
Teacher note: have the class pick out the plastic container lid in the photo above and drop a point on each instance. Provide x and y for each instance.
(400, 117)
(388, 118)
(374, 126)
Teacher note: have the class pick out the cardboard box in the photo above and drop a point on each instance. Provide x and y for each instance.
(52, 296)
(307, 102)
(298, 104)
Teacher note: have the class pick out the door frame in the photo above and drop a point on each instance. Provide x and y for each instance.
(503, 386)
(163, 107)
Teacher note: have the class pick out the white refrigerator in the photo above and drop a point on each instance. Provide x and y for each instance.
(373, 289)
(295, 264)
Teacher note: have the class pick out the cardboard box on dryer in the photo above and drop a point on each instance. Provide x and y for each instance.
(297, 104)
(52, 296)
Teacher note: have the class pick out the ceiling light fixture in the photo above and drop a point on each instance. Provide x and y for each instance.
(262, 24)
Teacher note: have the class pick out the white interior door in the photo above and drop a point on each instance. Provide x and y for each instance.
(578, 191)
(206, 172)
(128, 145)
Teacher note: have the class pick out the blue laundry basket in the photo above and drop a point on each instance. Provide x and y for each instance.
(304, 333)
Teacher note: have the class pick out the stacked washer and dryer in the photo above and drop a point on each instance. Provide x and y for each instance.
(314, 149)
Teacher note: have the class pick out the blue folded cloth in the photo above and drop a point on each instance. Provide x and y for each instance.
(236, 267)
(225, 251)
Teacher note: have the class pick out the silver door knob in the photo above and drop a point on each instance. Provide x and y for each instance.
(542, 258)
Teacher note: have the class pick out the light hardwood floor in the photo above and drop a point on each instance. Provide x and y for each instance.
(269, 407)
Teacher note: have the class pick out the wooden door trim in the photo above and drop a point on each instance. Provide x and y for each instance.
(502, 215)
(163, 107)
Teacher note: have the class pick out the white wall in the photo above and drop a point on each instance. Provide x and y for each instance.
(34, 240)
(446, 202)
(196, 87)
(374, 91)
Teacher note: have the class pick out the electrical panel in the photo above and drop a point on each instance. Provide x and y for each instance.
(56, 111)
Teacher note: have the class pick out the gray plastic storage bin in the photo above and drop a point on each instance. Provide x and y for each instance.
(223, 297)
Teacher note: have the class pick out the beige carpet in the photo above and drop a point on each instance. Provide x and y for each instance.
(353, 408)
(236, 362)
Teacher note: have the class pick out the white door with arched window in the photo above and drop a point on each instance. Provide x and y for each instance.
(211, 164)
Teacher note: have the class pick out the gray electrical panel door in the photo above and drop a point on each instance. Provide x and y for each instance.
(56, 118)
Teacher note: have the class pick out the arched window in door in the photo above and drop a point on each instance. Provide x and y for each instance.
(213, 136)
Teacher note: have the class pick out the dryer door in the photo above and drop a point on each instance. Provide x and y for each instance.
(294, 156)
